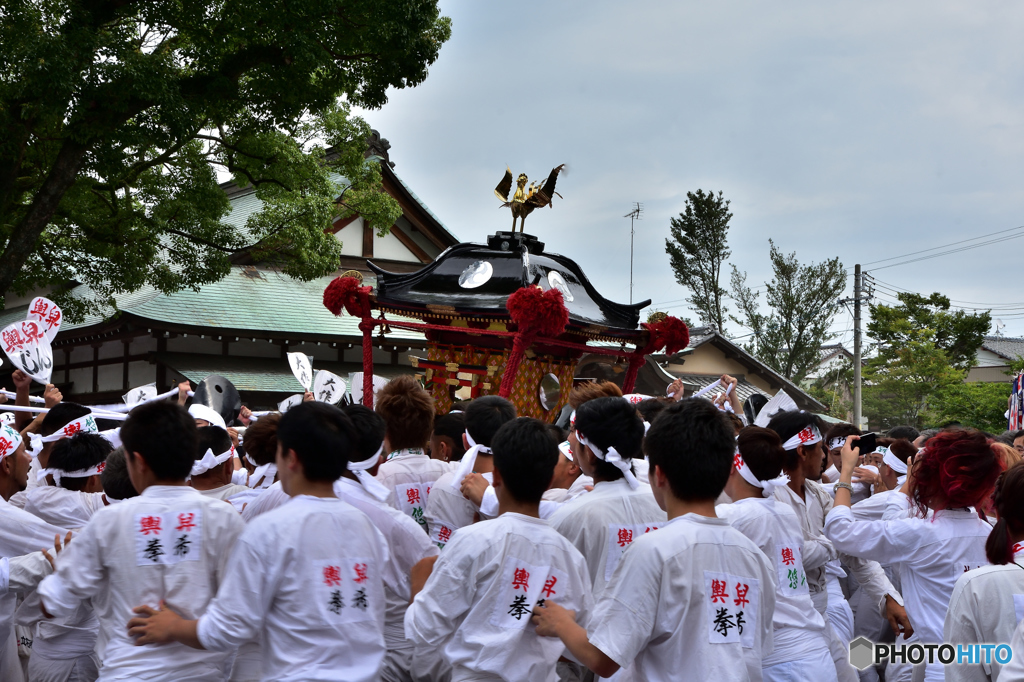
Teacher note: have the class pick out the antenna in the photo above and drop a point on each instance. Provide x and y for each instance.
(999, 326)
(634, 215)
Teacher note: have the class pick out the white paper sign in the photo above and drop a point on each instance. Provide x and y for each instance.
(303, 371)
(170, 538)
(138, 395)
(345, 589)
(356, 384)
(289, 402)
(328, 387)
(47, 314)
(7, 418)
(28, 348)
(732, 608)
(619, 538)
(522, 587)
(780, 403)
(412, 500)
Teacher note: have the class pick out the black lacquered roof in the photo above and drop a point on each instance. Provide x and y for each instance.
(515, 261)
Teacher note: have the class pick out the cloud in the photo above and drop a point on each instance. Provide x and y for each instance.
(859, 130)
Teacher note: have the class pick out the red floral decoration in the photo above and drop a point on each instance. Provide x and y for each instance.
(670, 333)
(537, 311)
(345, 293)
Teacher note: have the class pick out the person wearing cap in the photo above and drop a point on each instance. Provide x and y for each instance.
(447, 508)
(21, 533)
(801, 649)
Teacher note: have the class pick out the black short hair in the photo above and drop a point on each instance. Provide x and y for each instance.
(164, 434)
(117, 485)
(762, 452)
(611, 422)
(905, 432)
(369, 429)
(484, 416)
(77, 453)
(61, 415)
(525, 455)
(557, 432)
(211, 438)
(321, 436)
(787, 425)
(843, 431)
(452, 426)
(693, 443)
(651, 408)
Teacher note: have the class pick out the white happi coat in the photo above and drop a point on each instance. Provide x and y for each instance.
(476, 605)
(61, 507)
(799, 630)
(676, 601)
(306, 580)
(168, 544)
(410, 474)
(932, 554)
(225, 492)
(986, 607)
(447, 509)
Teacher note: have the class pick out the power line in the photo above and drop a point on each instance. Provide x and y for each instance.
(935, 248)
(951, 251)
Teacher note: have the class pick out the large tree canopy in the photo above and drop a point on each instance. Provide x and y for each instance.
(118, 115)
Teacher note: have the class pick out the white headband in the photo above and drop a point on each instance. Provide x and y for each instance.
(767, 487)
(369, 483)
(10, 439)
(84, 424)
(210, 461)
(809, 435)
(836, 443)
(207, 414)
(81, 473)
(893, 461)
(613, 457)
(636, 398)
(566, 450)
(468, 461)
(266, 472)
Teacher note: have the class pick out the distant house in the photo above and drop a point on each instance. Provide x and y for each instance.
(708, 356)
(992, 363)
(243, 325)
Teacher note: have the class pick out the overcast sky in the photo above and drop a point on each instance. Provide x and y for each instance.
(860, 130)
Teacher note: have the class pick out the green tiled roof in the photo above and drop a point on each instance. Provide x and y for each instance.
(260, 374)
(248, 300)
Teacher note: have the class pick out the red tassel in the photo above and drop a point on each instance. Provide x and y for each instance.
(670, 333)
(345, 293)
(537, 311)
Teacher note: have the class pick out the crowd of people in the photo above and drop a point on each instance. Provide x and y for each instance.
(654, 538)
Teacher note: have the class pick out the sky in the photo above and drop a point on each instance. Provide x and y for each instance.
(860, 130)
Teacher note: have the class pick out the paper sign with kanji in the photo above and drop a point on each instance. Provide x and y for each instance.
(303, 371)
(47, 314)
(328, 387)
(619, 538)
(140, 394)
(28, 348)
(168, 538)
(522, 586)
(344, 589)
(732, 604)
(289, 402)
(412, 499)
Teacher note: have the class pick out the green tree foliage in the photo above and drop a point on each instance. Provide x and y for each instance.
(901, 382)
(978, 405)
(958, 333)
(803, 301)
(117, 116)
(697, 251)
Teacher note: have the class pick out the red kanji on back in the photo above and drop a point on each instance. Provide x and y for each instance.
(150, 524)
(549, 586)
(413, 495)
(444, 534)
(787, 556)
(360, 570)
(521, 578)
(718, 591)
(625, 537)
(332, 576)
(649, 529)
(186, 522)
(741, 595)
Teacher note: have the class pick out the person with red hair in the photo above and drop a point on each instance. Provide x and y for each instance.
(950, 478)
(984, 604)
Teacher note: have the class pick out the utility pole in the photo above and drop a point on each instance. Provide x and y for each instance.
(633, 215)
(856, 345)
